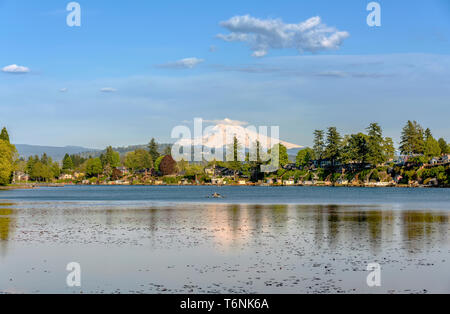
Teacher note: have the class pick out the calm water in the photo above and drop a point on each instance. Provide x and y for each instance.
(255, 240)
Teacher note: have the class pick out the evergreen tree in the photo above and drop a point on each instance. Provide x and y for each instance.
(168, 150)
(412, 141)
(67, 163)
(445, 148)
(304, 157)
(355, 148)
(4, 135)
(45, 159)
(254, 155)
(388, 148)
(319, 144)
(375, 153)
(431, 147)
(234, 155)
(333, 148)
(153, 149)
(110, 159)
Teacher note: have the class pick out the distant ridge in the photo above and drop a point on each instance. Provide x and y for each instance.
(57, 153)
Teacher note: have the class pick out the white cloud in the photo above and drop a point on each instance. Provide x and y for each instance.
(187, 63)
(262, 35)
(14, 68)
(63, 90)
(227, 121)
(108, 90)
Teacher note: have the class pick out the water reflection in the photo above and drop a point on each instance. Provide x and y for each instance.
(7, 224)
(230, 227)
(422, 229)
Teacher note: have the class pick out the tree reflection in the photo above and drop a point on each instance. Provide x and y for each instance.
(6, 228)
(422, 229)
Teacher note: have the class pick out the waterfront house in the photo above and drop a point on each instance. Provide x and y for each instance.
(78, 175)
(65, 176)
(216, 171)
(342, 181)
(123, 170)
(322, 163)
(20, 176)
(289, 182)
(218, 181)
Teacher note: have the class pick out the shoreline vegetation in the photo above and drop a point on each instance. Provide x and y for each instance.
(358, 160)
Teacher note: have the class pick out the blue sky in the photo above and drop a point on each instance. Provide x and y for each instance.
(124, 76)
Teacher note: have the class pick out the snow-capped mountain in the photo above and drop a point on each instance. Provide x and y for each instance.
(223, 134)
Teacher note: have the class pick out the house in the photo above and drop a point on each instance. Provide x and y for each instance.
(435, 161)
(242, 182)
(322, 163)
(290, 167)
(398, 178)
(123, 170)
(342, 181)
(78, 175)
(270, 181)
(21, 176)
(184, 182)
(146, 172)
(289, 182)
(226, 173)
(66, 176)
(445, 159)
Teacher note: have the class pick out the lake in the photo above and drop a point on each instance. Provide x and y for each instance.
(164, 239)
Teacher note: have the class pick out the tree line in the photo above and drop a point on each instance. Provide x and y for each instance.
(371, 147)
(44, 168)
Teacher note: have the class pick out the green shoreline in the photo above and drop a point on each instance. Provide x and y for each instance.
(402, 186)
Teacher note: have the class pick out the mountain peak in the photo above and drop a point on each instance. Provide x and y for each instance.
(223, 134)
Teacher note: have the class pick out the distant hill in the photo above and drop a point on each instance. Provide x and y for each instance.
(123, 150)
(57, 153)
